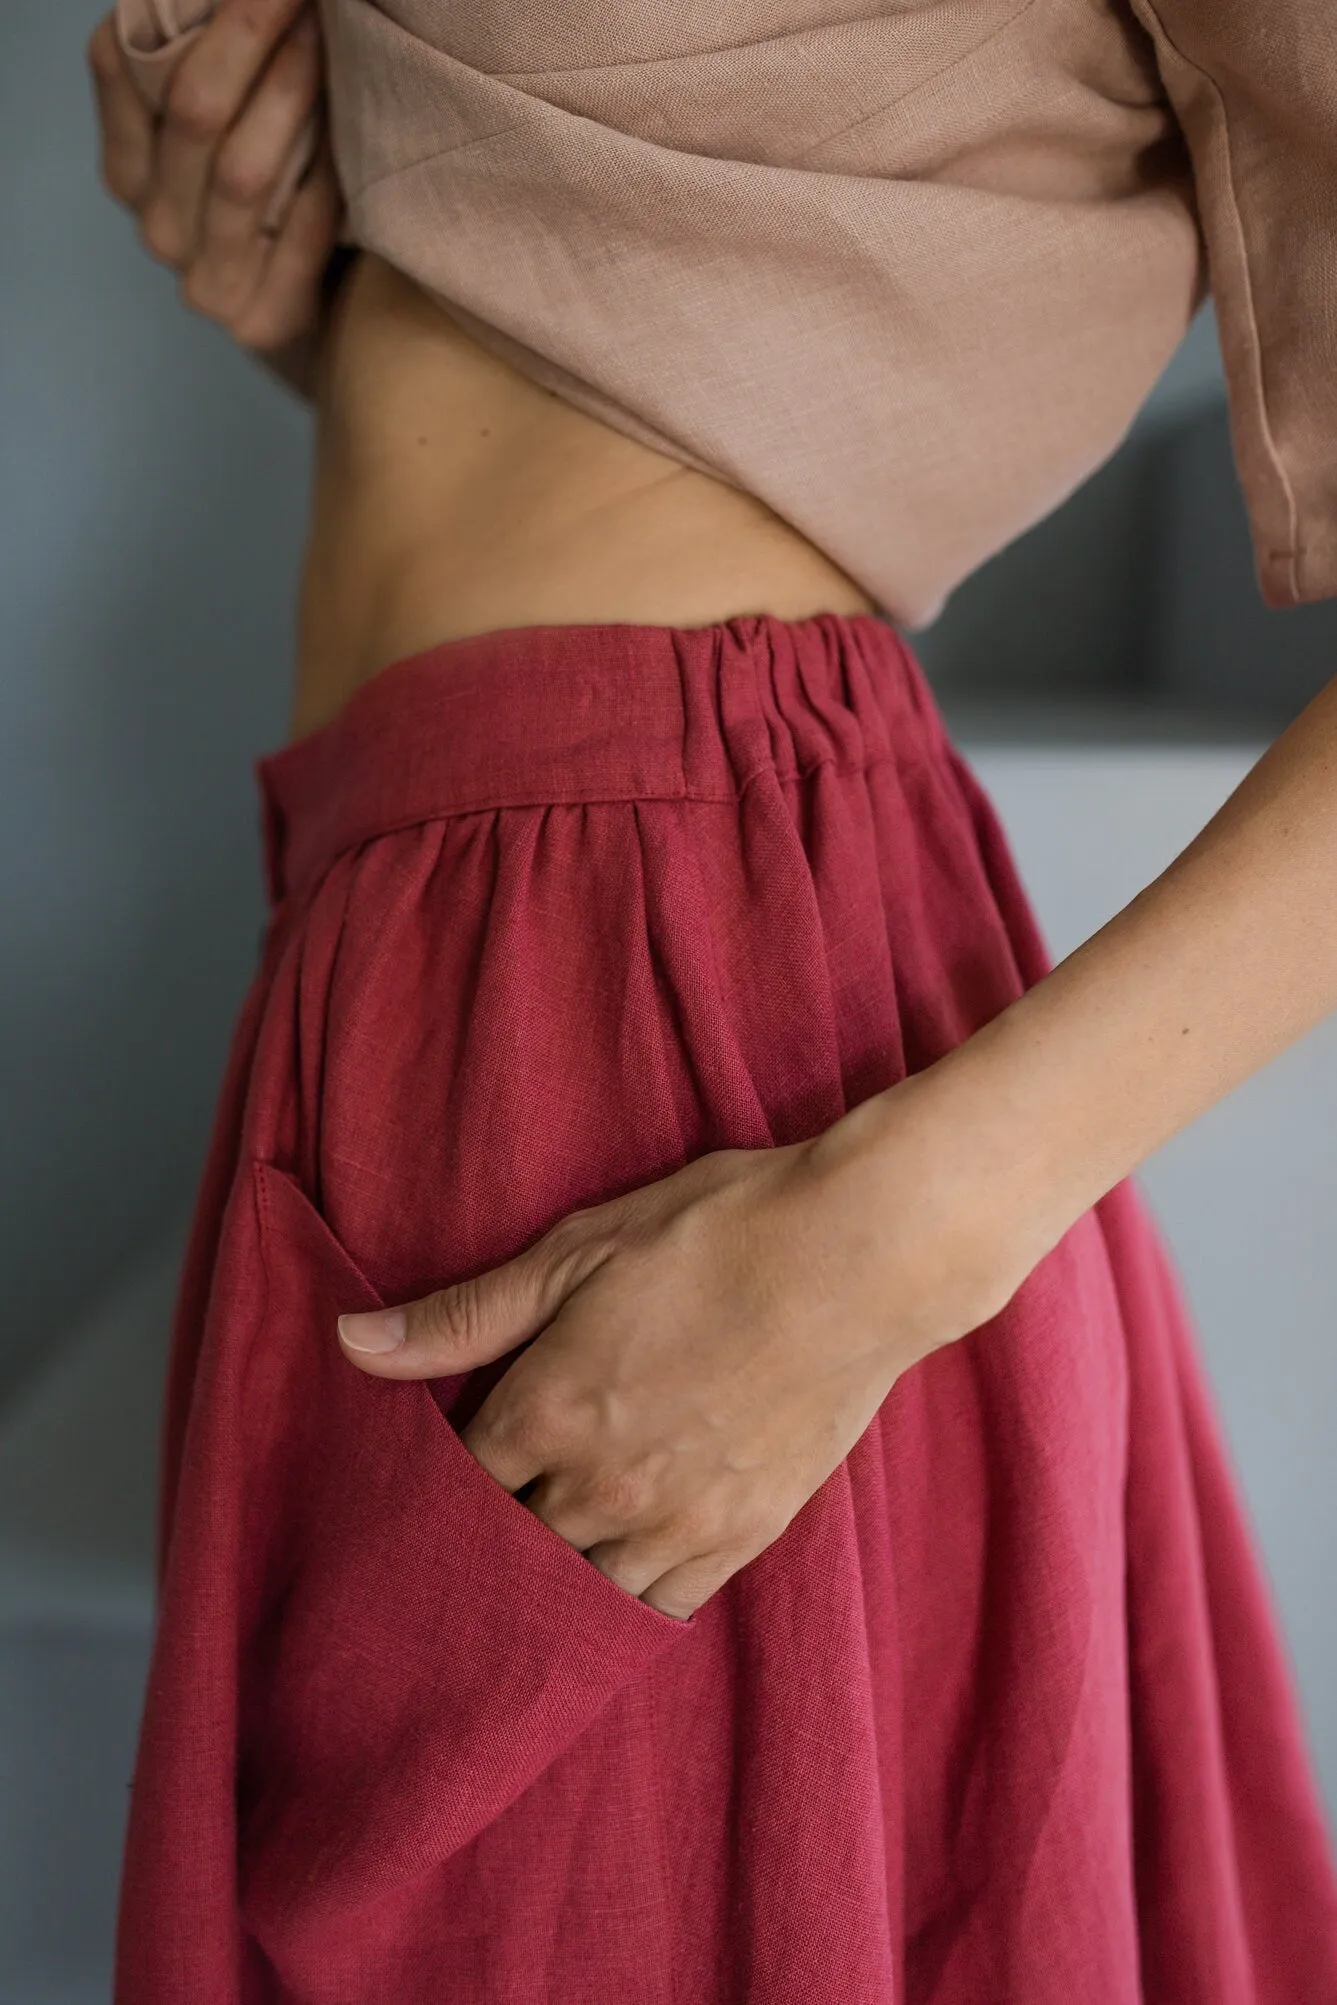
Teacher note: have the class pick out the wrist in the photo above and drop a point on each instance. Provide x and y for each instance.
(294, 364)
(299, 363)
(942, 1178)
(992, 1101)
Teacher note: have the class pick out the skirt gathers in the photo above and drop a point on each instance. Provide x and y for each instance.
(1002, 1718)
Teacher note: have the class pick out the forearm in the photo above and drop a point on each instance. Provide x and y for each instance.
(1220, 964)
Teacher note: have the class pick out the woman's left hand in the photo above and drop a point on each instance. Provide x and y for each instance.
(200, 178)
(710, 1347)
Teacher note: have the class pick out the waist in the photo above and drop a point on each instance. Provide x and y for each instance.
(453, 497)
(563, 716)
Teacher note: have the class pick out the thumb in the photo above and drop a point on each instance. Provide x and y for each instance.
(472, 1322)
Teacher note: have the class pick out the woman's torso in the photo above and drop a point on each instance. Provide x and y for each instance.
(453, 496)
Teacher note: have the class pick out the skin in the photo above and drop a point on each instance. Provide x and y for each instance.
(707, 1348)
(451, 495)
(197, 182)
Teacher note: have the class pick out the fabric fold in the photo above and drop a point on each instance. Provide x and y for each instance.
(154, 35)
(1002, 1713)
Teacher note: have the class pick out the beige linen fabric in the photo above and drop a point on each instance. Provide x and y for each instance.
(154, 35)
(907, 273)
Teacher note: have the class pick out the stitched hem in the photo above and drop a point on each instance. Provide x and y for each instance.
(1290, 556)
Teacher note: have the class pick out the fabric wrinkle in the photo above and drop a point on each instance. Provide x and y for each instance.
(1003, 1711)
(987, 224)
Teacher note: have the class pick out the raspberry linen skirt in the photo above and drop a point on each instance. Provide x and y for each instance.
(1002, 1718)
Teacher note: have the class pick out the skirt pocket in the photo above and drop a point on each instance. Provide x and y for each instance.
(420, 1647)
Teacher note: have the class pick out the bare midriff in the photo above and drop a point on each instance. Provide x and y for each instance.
(453, 496)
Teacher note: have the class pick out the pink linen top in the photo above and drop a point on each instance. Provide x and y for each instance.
(907, 273)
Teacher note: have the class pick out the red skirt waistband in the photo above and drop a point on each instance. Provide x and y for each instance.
(563, 714)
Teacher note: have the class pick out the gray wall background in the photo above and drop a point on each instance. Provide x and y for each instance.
(153, 494)
(1112, 674)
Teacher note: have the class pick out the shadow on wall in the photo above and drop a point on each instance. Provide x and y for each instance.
(1133, 611)
(153, 508)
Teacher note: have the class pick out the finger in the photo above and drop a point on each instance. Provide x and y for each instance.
(208, 89)
(287, 302)
(125, 123)
(677, 1589)
(517, 1461)
(470, 1323)
(602, 1513)
(474, 1321)
(231, 252)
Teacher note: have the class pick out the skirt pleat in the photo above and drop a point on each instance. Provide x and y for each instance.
(1002, 1718)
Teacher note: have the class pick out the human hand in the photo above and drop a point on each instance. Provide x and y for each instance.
(709, 1347)
(219, 177)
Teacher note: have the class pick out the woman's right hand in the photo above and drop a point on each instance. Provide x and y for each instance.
(199, 176)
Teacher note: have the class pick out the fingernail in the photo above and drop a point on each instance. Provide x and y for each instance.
(379, 1330)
